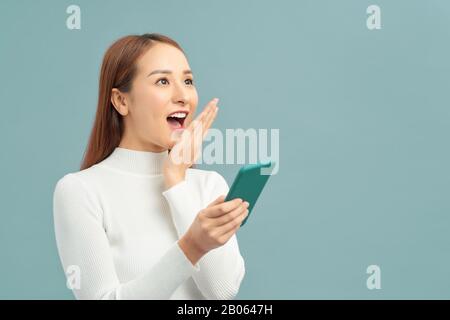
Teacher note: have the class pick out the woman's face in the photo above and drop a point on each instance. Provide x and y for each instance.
(161, 102)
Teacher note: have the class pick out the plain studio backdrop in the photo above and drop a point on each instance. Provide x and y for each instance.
(363, 117)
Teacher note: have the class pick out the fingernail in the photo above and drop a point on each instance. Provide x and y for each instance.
(216, 100)
(246, 203)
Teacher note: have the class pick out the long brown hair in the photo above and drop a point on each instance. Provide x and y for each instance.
(117, 71)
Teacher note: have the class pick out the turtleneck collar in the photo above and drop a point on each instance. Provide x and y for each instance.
(137, 162)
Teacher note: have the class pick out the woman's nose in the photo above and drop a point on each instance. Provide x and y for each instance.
(180, 95)
(182, 101)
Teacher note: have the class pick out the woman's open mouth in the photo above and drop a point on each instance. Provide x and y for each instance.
(176, 120)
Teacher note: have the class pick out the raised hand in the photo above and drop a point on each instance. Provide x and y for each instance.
(188, 146)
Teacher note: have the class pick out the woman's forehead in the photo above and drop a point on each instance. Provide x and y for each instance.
(163, 57)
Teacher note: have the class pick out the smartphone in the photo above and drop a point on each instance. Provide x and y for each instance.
(249, 183)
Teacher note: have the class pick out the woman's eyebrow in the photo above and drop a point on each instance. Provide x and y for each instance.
(167, 72)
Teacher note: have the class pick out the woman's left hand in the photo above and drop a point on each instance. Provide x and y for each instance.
(188, 147)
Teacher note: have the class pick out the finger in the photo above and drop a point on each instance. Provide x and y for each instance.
(198, 120)
(209, 121)
(219, 199)
(208, 108)
(193, 126)
(219, 221)
(193, 136)
(200, 130)
(210, 114)
(232, 225)
(189, 134)
(197, 142)
(223, 208)
(194, 132)
(191, 141)
(199, 126)
(230, 233)
(212, 106)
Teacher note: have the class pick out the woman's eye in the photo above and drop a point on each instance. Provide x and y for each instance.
(165, 81)
(162, 80)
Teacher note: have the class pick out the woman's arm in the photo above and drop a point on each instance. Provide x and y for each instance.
(82, 242)
(221, 269)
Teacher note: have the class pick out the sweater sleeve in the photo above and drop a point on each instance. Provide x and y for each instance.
(221, 269)
(83, 247)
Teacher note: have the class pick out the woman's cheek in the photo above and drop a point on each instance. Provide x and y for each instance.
(156, 108)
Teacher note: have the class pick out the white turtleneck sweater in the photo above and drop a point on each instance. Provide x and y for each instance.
(117, 231)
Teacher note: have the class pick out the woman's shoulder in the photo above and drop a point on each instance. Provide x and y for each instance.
(76, 182)
(74, 199)
(69, 185)
(74, 194)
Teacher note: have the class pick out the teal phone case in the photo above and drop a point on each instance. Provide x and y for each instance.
(249, 184)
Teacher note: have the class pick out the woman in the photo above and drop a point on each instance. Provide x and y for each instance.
(136, 222)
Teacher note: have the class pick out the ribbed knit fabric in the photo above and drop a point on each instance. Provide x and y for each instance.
(119, 227)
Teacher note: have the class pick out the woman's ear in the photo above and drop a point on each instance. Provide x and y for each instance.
(119, 101)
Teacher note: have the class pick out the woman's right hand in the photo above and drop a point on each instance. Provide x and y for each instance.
(213, 227)
(188, 146)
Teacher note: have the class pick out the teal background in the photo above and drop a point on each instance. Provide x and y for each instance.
(364, 125)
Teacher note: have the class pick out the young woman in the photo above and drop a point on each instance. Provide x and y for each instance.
(135, 222)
